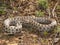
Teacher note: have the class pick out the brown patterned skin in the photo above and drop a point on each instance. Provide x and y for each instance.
(40, 23)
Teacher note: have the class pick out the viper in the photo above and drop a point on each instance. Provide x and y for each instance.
(15, 24)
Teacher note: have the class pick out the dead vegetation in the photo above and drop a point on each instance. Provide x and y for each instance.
(29, 7)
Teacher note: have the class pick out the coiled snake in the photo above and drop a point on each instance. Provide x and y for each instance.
(15, 24)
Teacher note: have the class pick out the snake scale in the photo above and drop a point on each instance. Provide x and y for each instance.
(14, 25)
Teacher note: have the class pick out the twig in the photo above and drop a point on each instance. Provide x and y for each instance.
(53, 11)
(48, 10)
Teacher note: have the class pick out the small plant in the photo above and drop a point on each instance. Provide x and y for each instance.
(43, 4)
(57, 29)
(2, 11)
(2, 8)
(39, 13)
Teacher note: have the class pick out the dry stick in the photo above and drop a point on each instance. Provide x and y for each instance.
(48, 10)
(53, 11)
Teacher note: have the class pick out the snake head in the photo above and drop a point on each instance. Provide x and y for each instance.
(12, 26)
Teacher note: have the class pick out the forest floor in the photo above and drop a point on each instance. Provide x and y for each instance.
(26, 37)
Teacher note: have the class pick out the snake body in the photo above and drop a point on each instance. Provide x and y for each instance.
(40, 23)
